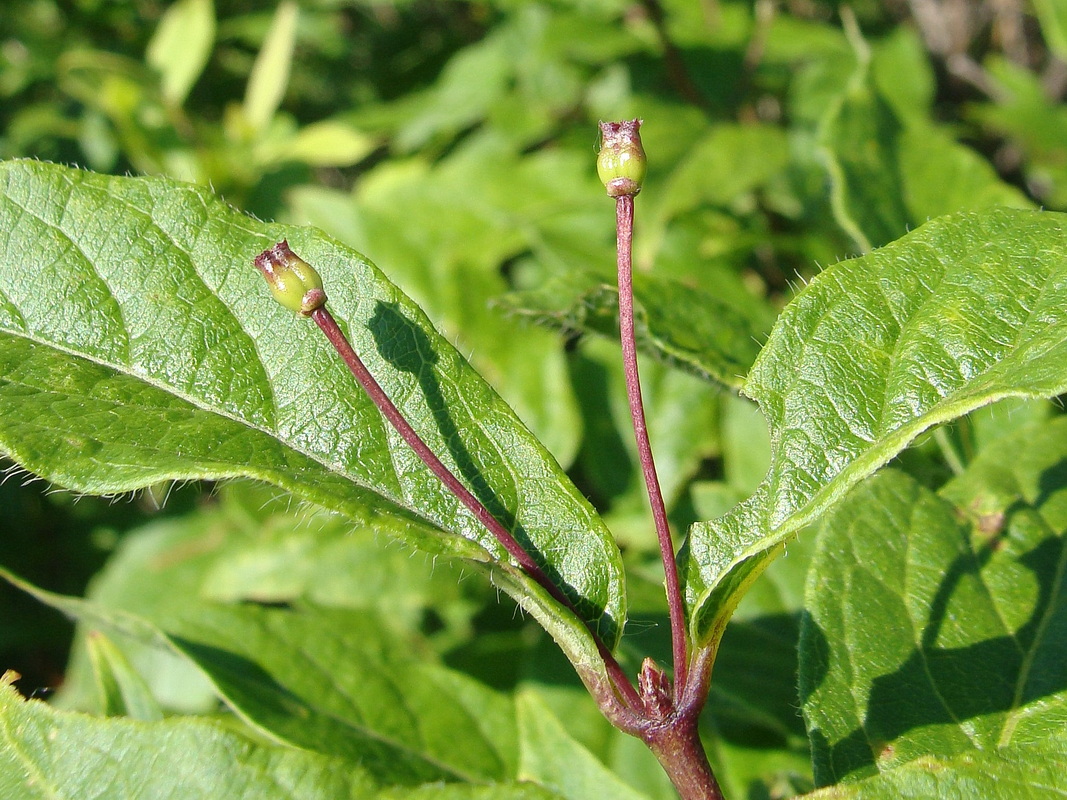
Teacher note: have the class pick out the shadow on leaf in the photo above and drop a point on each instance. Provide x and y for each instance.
(407, 348)
(946, 686)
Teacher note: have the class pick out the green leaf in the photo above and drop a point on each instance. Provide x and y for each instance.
(454, 791)
(727, 164)
(746, 449)
(1019, 772)
(989, 423)
(1052, 14)
(890, 175)
(686, 327)
(901, 69)
(682, 415)
(327, 143)
(968, 309)
(469, 84)
(181, 46)
(270, 73)
(122, 691)
(1033, 122)
(405, 719)
(451, 258)
(139, 344)
(249, 547)
(46, 754)
(931, 638)
(573, 715)
(754, 732)
(552, 758)
(941, 176)
(754, 693)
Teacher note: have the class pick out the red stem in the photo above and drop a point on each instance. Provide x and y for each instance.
(624, 221)
(678, 749)
(326, 322)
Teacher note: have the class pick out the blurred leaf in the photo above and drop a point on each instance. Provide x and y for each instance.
(181, 46)
(523, 77)
(251, 547)
(552, 758)
(330, 143)
(403, 718)
(682, 414)
(728, 163)
(46, 754)
(966, 310)
(1052, 14)
(756, 736)
(817, 61)
(746, 770)
(990, 423)
(745, 445)
(127, 94)
(900, 68)
(94, 375)
(684, 326)
(942, 176)
(123, 693)
(270, 74)
(473, 78)
(889, 176)
(1034, 123)
(959, 651)
(547, 680)
(453, 791)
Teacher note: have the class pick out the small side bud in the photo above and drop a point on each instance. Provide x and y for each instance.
(621, 163)
(655, 689)
(292, 281)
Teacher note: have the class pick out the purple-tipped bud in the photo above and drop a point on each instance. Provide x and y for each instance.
(292, 281)
(621, 163)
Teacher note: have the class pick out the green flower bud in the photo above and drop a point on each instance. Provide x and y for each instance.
(621, 163)
(292, 281)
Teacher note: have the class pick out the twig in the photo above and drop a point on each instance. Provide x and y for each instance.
(297, 286)
(621, 165)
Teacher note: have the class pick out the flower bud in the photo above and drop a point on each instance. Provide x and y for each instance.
(621, 163)
(292, 281)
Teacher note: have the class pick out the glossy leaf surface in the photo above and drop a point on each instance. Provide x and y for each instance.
(936, 622)
(139, 344)
(1013, 773)
(967, 309)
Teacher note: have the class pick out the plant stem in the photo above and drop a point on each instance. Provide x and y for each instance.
(621, 684)
(949, 451)
(675, 741)
(678, 749)
(624, 221)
